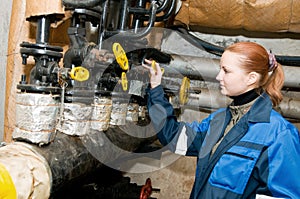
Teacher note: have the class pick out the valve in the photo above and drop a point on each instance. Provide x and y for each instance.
(153, 64)
(120, 56)
(79, 74)
(184, 90)
(146, 189)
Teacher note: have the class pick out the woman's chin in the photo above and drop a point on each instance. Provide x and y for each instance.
(223, 92)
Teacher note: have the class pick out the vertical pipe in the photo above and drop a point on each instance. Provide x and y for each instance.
(123, 16)
(102, 24)
(43, 30)
(137, 22)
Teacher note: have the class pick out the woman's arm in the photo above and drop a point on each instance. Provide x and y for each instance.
(181, 138)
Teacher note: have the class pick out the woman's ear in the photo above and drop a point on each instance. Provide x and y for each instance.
(253, 78)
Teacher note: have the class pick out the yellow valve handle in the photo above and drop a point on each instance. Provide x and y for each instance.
(7, 187)
(124, 81)
(120, 56)
(80, 74)
(184, 90)
(153, 65)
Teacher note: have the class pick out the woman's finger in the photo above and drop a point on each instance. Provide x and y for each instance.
(148, 65)
(147, 61)
(157, 68)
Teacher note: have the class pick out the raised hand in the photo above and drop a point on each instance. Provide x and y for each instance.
(155, 72)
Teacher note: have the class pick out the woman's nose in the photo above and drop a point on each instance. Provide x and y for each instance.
(219, 75)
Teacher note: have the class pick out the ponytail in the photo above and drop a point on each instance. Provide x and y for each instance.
(274, 85)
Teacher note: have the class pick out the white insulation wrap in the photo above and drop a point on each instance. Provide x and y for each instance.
(30, 173)
(35, 117)
(118, 113)
(75, 119)
(132, 112)
(101, 113)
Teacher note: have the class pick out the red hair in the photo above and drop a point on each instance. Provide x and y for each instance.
(255, 58)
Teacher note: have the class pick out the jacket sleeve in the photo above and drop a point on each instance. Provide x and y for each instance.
(181, 138)
(282, 176)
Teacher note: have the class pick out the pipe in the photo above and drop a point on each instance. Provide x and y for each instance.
(81, 3)
(136, 22)
(140, 11)
(43, 30)
(199, 68)
(211, 99)
(199, 43)
(168, 6)
(29, 171)
(137, 35)
(123, 21)
(290, 107)
(166, 15)
(217, 50)
(208, 99)
(103, 23)
(45, 170)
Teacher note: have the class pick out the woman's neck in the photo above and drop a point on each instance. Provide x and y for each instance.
(244, 98)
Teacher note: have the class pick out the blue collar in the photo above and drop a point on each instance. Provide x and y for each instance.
(261, 109)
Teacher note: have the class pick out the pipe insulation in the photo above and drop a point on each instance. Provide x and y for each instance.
(237, 14)
(29, 171)
(36, 116)
(45, 170)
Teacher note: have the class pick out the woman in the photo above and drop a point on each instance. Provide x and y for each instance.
(245, 149)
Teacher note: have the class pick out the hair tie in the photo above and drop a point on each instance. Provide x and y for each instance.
(272, 62)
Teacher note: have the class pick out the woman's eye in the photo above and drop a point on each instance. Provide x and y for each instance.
(224, 69)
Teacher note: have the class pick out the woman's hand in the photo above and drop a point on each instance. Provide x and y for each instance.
(155, 73)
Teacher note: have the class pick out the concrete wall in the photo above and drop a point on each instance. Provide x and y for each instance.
(4, 27)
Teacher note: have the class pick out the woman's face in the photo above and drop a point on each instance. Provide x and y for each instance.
(233, 79)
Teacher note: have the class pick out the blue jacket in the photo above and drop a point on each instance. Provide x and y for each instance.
(259, 155)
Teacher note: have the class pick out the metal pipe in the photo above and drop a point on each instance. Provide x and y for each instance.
(199, 43)
(43, 30)
(137, 35)
(208, 99)
(137, 23)
(103, 22)
(170, 11)
(45, 170)
(217, 50)
(211, 99)
(81, 3)
(290, 107)
(141, 4)
(199, 68)
(168, 6)
(123, 22)
(163, 6)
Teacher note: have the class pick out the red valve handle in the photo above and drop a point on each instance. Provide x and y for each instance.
(146, 190)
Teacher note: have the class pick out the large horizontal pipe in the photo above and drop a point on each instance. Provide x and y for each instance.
(39, 172)
(211, 99)
(199, 68)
